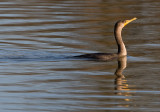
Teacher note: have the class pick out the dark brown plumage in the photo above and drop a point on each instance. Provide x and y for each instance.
(121, 46)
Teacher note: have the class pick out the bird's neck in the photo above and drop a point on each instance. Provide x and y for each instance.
(121, 47)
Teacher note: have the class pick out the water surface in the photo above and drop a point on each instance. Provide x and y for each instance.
(36, 38)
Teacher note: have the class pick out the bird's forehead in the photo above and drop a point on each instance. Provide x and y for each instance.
(123, 21)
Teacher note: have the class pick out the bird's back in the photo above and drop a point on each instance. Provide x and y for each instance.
(99, 56)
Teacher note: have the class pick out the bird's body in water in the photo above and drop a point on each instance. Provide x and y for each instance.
(121, 46)
(99, 56)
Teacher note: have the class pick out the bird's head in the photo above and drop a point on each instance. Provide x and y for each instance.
(123, 23)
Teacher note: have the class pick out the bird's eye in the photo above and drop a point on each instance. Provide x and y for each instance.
(124, 21)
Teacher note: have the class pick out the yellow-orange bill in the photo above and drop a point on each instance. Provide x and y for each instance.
(128, 21)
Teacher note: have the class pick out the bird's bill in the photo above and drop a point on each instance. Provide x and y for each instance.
(128, 21)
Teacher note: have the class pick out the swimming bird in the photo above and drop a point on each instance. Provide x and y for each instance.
(121, 46)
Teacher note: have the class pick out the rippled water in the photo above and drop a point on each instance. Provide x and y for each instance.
(37, 36)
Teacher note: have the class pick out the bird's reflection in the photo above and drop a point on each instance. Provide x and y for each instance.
(120, 81)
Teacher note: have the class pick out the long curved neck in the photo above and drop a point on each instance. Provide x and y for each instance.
(121, 47)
